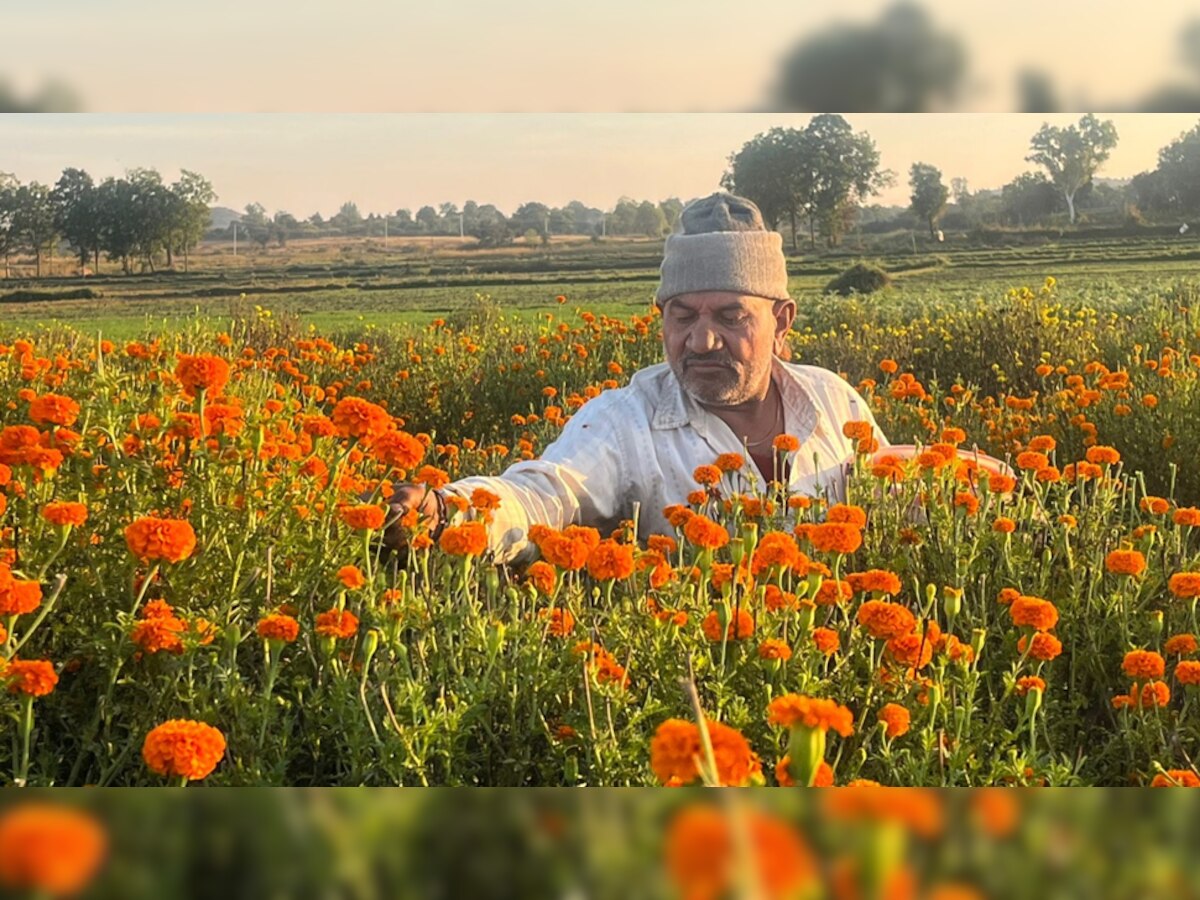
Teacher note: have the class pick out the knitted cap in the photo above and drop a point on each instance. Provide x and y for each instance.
(723, 246)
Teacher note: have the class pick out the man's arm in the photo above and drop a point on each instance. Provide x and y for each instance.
(579, 479)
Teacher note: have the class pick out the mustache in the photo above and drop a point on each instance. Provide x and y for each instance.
(710, 359)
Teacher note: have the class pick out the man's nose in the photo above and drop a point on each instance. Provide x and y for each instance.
(704, 339)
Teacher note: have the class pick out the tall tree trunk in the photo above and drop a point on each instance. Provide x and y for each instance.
(812, 231)
(185, 257)
(37, 256)
(932, 233)
(792, 214)
(1071, 205)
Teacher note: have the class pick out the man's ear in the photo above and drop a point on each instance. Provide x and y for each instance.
(784, 312)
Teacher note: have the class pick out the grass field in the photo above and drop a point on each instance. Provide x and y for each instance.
(342, 285)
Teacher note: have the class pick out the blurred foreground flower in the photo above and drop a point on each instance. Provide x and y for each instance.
(48, 849)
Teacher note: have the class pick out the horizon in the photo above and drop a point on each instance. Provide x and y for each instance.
(285, 162)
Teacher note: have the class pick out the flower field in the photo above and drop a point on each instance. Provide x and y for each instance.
(192, 587)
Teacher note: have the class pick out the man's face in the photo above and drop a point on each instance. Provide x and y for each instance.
(720, 344)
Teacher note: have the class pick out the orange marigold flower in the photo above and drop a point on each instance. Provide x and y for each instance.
(832, 591)
(48, 849)
(351, 577)
(19, 596)
(542, 576)
(826, 640)
(610, 561)
(857, 430)
(151, 538)
(1102, 456)
(54, 409)
(1181, 645)
(1125, 562)
(1176, 778)
(967, 501)
(730, 462)
(159, 630)
(65, 513)
(1033, 612)
(706, 474)
(674, 751)
(799, 710)
(1154, 693)
(884, 620)
(703, 532)
(851, 515)
(896, 718)
(1032, 460)
(337, 623)
(915, 649)
(467, 539)
(888, 366)
(1028, 683)
(875, 580)
(1048, 475)
(203, 372)
(561, 622)
(183, 748)
(1007, 596)
(432, 477)
(363, 517)
(1187, 671)
(776, 548)
(773, 648)
(397, 449)
(775, 599)
(278, 627)
(1156, 506)
(32, 677)
(1184, 585)
(1187, 515)
(786, 443)
(1001, 484)
(1042, 443)
(835, 537)
(1045, 646)
(702, 857)
(1143, 665)
(1004, 525)
(740, 626)
(358, 418)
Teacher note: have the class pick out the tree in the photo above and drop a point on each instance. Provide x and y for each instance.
(649, 220)
(929, 195)
(256, 225)
(34, 221)
(1028, 200)
(76, 214)
(820, 173)
(427, 220)
(961, 190)
(671, 208)
(766, 170)
(151, 214)
(900, 63)
(623, 218)
(347, 219)
(283, 226)
(115, 202)
(531, 216)
(1179, 168)
(1073, 155)
(8, 210)
(192, 195)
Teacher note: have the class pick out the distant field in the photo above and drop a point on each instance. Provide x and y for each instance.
(339, 284)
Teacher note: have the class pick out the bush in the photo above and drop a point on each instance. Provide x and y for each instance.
(860, 278)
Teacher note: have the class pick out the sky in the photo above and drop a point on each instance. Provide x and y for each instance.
(306, 163)
(544, 55)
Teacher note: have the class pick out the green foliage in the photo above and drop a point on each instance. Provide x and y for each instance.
(860, 278)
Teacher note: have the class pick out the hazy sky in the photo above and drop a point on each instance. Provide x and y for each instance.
(304, 163)
(472, 55)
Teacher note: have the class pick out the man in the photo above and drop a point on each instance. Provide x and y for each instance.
(724, 388)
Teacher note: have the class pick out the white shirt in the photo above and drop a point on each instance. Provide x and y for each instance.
(641, 443)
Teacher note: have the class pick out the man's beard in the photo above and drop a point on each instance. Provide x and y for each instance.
(725, 386)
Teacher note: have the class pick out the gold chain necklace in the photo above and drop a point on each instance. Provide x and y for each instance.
(774, 430)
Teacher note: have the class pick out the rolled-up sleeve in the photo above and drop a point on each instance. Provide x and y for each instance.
(579, 478)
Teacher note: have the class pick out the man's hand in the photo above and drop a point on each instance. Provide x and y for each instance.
(405, 499)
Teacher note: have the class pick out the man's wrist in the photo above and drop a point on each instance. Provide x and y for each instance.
(440, 525)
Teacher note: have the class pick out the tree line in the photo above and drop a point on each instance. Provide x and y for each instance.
(136, 217)
(813, 181)
(531, 221)
(816, 180)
